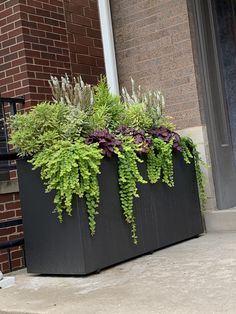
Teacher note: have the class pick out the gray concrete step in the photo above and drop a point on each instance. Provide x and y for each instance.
(220, 220)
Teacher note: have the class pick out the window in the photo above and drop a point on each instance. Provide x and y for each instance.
(7, 107)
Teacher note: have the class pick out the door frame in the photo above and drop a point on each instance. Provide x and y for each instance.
(215, 112)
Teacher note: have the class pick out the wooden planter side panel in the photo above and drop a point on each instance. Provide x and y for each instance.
(164, 216)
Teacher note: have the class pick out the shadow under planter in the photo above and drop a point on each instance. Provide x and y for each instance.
(164, 216)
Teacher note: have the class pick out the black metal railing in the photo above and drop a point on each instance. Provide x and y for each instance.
(8, 106)
(9, 244)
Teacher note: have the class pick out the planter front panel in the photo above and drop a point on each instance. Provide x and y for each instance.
(164, 216)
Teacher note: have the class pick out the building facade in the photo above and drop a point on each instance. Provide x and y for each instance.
(185, 48)
(39, 39)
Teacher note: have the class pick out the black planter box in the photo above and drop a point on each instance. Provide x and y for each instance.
(163, 215)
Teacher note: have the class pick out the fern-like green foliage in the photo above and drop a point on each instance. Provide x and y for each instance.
(165, 121)
(190, 152)
(77, 124)
(71, 169)
(135, 117)
(160, 162)
(95, 106)
(43, 126)
(129, 175)
(107, 108)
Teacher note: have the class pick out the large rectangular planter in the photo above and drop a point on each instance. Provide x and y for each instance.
(164, 216)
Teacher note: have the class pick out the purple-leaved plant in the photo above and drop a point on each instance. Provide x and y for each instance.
(167, 135)
(106, 140)
(139, 137)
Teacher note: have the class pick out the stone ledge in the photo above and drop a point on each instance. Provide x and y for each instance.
(10, 186)
(220, 220)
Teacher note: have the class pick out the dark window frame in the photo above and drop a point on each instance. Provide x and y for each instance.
(5, 154)
(202, 21)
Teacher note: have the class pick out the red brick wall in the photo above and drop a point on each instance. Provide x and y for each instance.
(39, 38)
(42, 48)
(43, 38)
(84, 38)
(12, 54)
(10, 209)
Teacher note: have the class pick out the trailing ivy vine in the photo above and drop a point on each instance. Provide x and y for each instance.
(71, 169)
(160, 162)
(190, 152)
(128, 177)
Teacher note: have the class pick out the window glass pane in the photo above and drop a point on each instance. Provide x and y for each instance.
(226, 38)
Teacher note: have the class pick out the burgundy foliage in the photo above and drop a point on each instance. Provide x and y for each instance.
(139, 137)
(167, 135)
(107, 141)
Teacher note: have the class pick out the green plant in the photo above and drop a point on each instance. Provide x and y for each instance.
(95, 106)
(129, 176)
(153, 102)
(135, 117)
(67, 140)
(165, 121)
(77, 124)
(43, 126)
(189, 152)
(71, 169)
(75, 93)
(160, 162)
(107, 108)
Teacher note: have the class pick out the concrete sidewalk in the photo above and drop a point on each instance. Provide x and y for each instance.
(197, 276)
